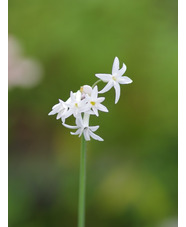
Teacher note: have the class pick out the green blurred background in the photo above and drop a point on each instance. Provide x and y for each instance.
(132, 175)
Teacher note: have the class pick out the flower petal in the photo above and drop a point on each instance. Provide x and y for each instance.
(124, 80)
(84, 108)
(76, 133)
(68, 113)
(90, 112)
(94, 128)
(86, 134)
(78, 96)
(100, 99)
(94, 94)
(94, 136)
(102, 108)
(54, 111)
(70, 126)
(56, 106)
(115, 66)
(117, 89)
(107, 87)
(122, 70)
(72, 97)
(104, 77)
(60, 114)
(95, 111)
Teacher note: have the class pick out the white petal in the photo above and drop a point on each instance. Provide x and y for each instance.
(122, 70)
(56, 106)
(70, 126)
(68, 101)
(95, 111)
(94, 136)
(78, 96)
(72, 97)
(63, 120)
(86, 134)
(117, 89)
(107, 87)
(55, 109)
(76, 133)
(62, 102)
(124, 80)
(94, 128)
(94, 94)
(104, 77)
(81, 131)
(52, 112)
(68, 113)
(60, 114)
(115, 66)
(102, 108)
(100, 99)
(85, 108)
(91, 112)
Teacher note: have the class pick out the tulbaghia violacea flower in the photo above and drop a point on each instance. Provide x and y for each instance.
(114, 79)
(95, 102)
(82, 126)
(76, 105)
(60, 109)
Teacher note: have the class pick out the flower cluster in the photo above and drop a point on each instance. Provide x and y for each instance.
(85, 102)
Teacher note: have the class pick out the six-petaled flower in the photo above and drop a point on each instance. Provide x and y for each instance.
(114, 79)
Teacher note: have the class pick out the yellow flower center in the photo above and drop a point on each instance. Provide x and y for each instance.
(114, 78)
(93, 103)
(76, 105)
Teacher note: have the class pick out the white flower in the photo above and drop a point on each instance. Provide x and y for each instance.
(60, 109)
(76, 105)
(114, 79)
(82, 126)
(95, 102)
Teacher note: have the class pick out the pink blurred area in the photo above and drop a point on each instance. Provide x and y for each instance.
(22, 71)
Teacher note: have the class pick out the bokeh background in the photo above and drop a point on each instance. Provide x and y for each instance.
(57, 46)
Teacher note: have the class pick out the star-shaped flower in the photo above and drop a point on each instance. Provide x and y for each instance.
(76, 105)
(60, 109)
(95, 102)
(82, 126)
(114, 79)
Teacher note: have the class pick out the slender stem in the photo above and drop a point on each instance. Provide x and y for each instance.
(96, 83)
(81, 210)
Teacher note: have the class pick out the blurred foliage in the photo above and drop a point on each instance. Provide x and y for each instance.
(132, 175)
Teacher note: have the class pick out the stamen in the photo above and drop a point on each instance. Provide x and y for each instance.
(93, 103)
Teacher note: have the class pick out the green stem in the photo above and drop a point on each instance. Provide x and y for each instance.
(81, 210)
(96, 83)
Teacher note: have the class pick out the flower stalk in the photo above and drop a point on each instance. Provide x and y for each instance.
(82, 181)
(96, 83)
